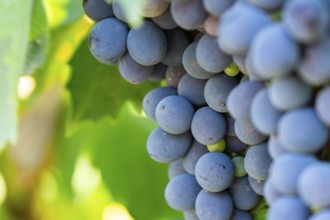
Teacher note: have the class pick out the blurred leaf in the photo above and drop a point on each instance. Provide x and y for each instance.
(38, 23)
(63, 12)
(63, 44)
(14, 33)
(117, 148)
(98, 89)
(38, 38)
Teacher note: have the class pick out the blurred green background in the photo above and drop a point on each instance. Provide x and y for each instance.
(72, 132)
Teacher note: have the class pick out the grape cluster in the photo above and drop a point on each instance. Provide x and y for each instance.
(245, 113)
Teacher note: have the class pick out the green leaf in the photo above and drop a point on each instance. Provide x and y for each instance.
(14, 34)
(117, 148)
(98, 89)
(260, 211)
(38, 38)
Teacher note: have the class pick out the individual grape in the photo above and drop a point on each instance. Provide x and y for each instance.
(275, 148)
(118, 11)
(288, 207)
(257, 161)
(173, 75)
(232, 70)
(192, 156)
(210, 25)
(188, 15)
(324, 214)
(247, 133)
(174, 114)
(313, 185)
(234, 144)
(239, 166)
(270, 192)
(240, 215)
(230, 125)
(153, 8)
(217, 90)
(181, 192)
(164, 147)
(314, 67)
(147, 43)
(264, 115)
(158, 73)
(218, 147)
(257, 185)
(216, 7)
(286, 170)
(152, 98)
(97, 9)
(289, 93)
(132, 71)
(208, 126)
(211, 206)
(209, 56)
(267, 5)
(300, 130)
(190, 215)
(273, 53)
(192, 89)
(322, 105)
(238, 26)
(214, 171)
(165, 21)
(240, 98)
(177, 41)
(306, 20)
(191, 65)
(175, 168)
(244, 197)
(107, 40)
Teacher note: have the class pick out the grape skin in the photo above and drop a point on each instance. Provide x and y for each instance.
(192, 89)
(181, 192)
(264, 115)
(147, 44)
(209, 56)
(107, 40)
(175, 168)
(188, 14)
(97, 10)
(244, 197)
(214, 171)
(300, 130)
(313, 185)
(248, 134)
(286, 170)
(322, 105)
(217, 90)
(288, 207)
(132, 71)
(285, 55)
(211, 206)
(240, 99)
(190, 159)
(208, 126)
(152, 98)
(174, 114)
(257, 161)
(164, 147)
